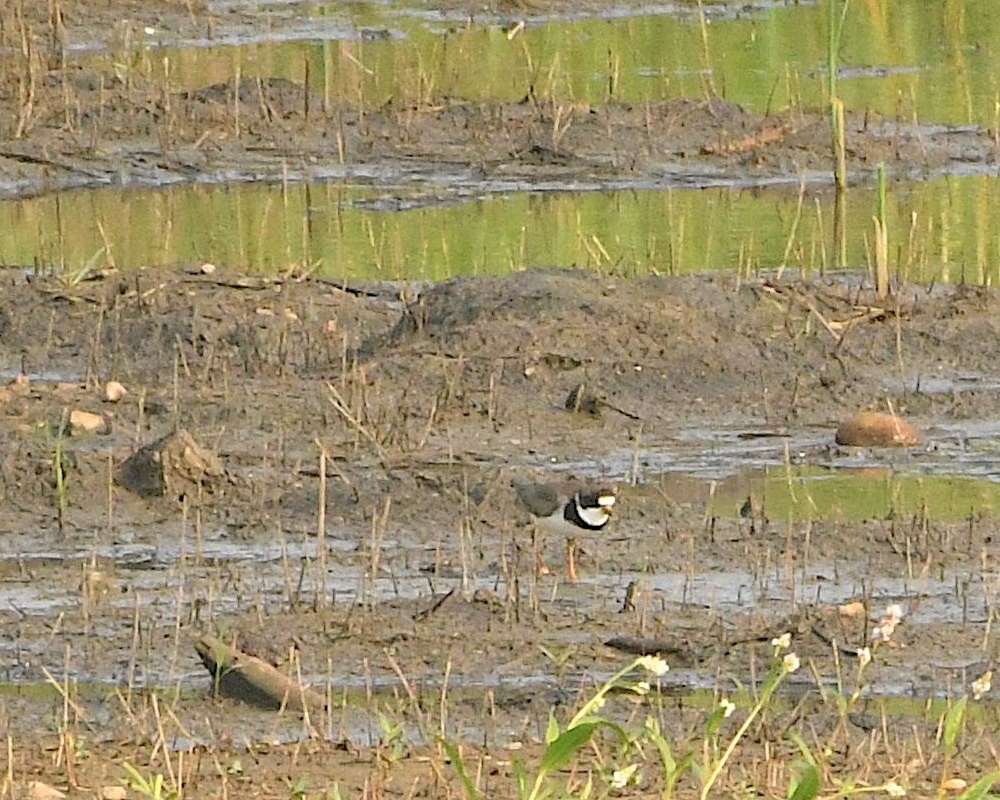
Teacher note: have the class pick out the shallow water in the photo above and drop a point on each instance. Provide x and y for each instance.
(461, 225)
(790, 477)
(931, 64)
(918, 61)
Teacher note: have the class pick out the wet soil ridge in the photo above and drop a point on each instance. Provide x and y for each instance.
(88, 127)
(473, 364)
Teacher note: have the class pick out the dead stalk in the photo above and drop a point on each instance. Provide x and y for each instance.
(321, 524)
(559, 127)
(7, 787)
(27, 83)
(380, 522)
(162, 743)
(337, 400)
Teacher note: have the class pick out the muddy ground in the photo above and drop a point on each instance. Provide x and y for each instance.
(423, 603)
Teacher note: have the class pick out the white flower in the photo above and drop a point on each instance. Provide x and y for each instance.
(621, 778)
(654, 664)
(982, 684)
(728, 707)
(790, 663)
(893, 789)
(883, 631)
(783, 642)
(887, 625)
(864, 657)
(641, 688)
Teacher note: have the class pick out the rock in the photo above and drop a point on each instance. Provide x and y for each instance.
(89, 422)
(248, 678)
(172, 464)
(96, 585)
(853, 609)
(874, 429)
(42, 791)
(114, 391)
(112, 792)
(580, 401)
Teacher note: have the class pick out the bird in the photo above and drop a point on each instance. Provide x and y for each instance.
(568, 509)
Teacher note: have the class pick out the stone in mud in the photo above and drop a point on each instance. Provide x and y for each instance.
(37, 790)
(114, 391)
(581, 401)
(248, 678)
(875, 429)
(171, 465)
(89, 421)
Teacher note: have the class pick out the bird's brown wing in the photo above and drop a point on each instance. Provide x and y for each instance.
(541, 499)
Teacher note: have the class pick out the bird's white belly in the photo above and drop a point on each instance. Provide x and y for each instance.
(560, 526)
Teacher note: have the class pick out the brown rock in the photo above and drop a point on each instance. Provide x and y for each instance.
(248, 678)
(853, 609)
(96, 585)
(114, 391)
(874, 429)
(89, 421)
(171, 464)
(42, 791)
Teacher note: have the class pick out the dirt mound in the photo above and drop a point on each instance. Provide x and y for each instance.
(644, 343)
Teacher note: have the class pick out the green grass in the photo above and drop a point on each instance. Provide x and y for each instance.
(618, 758)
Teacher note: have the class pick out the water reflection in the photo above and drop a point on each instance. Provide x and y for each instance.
(433, 231)
(924, 61)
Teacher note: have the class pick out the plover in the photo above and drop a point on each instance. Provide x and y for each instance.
(567, 509)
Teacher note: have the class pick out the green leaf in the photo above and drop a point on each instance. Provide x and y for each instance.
(953, 724)
(564, 747)
(552, 732)
(804, 748)
(981, 788)
(808, 786)
(471, 792)
(685, 764)
(714, 722)
(523, 784)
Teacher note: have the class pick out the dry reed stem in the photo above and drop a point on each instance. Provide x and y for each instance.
(63, 693)
(321, 524)
(337, 400)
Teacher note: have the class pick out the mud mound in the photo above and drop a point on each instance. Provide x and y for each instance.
(672, 348)
(145, 325)
(646, 343)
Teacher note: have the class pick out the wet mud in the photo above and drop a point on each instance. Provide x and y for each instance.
(421, 405)
(343, 504)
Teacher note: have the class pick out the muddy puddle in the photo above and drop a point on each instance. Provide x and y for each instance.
(449, 146)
